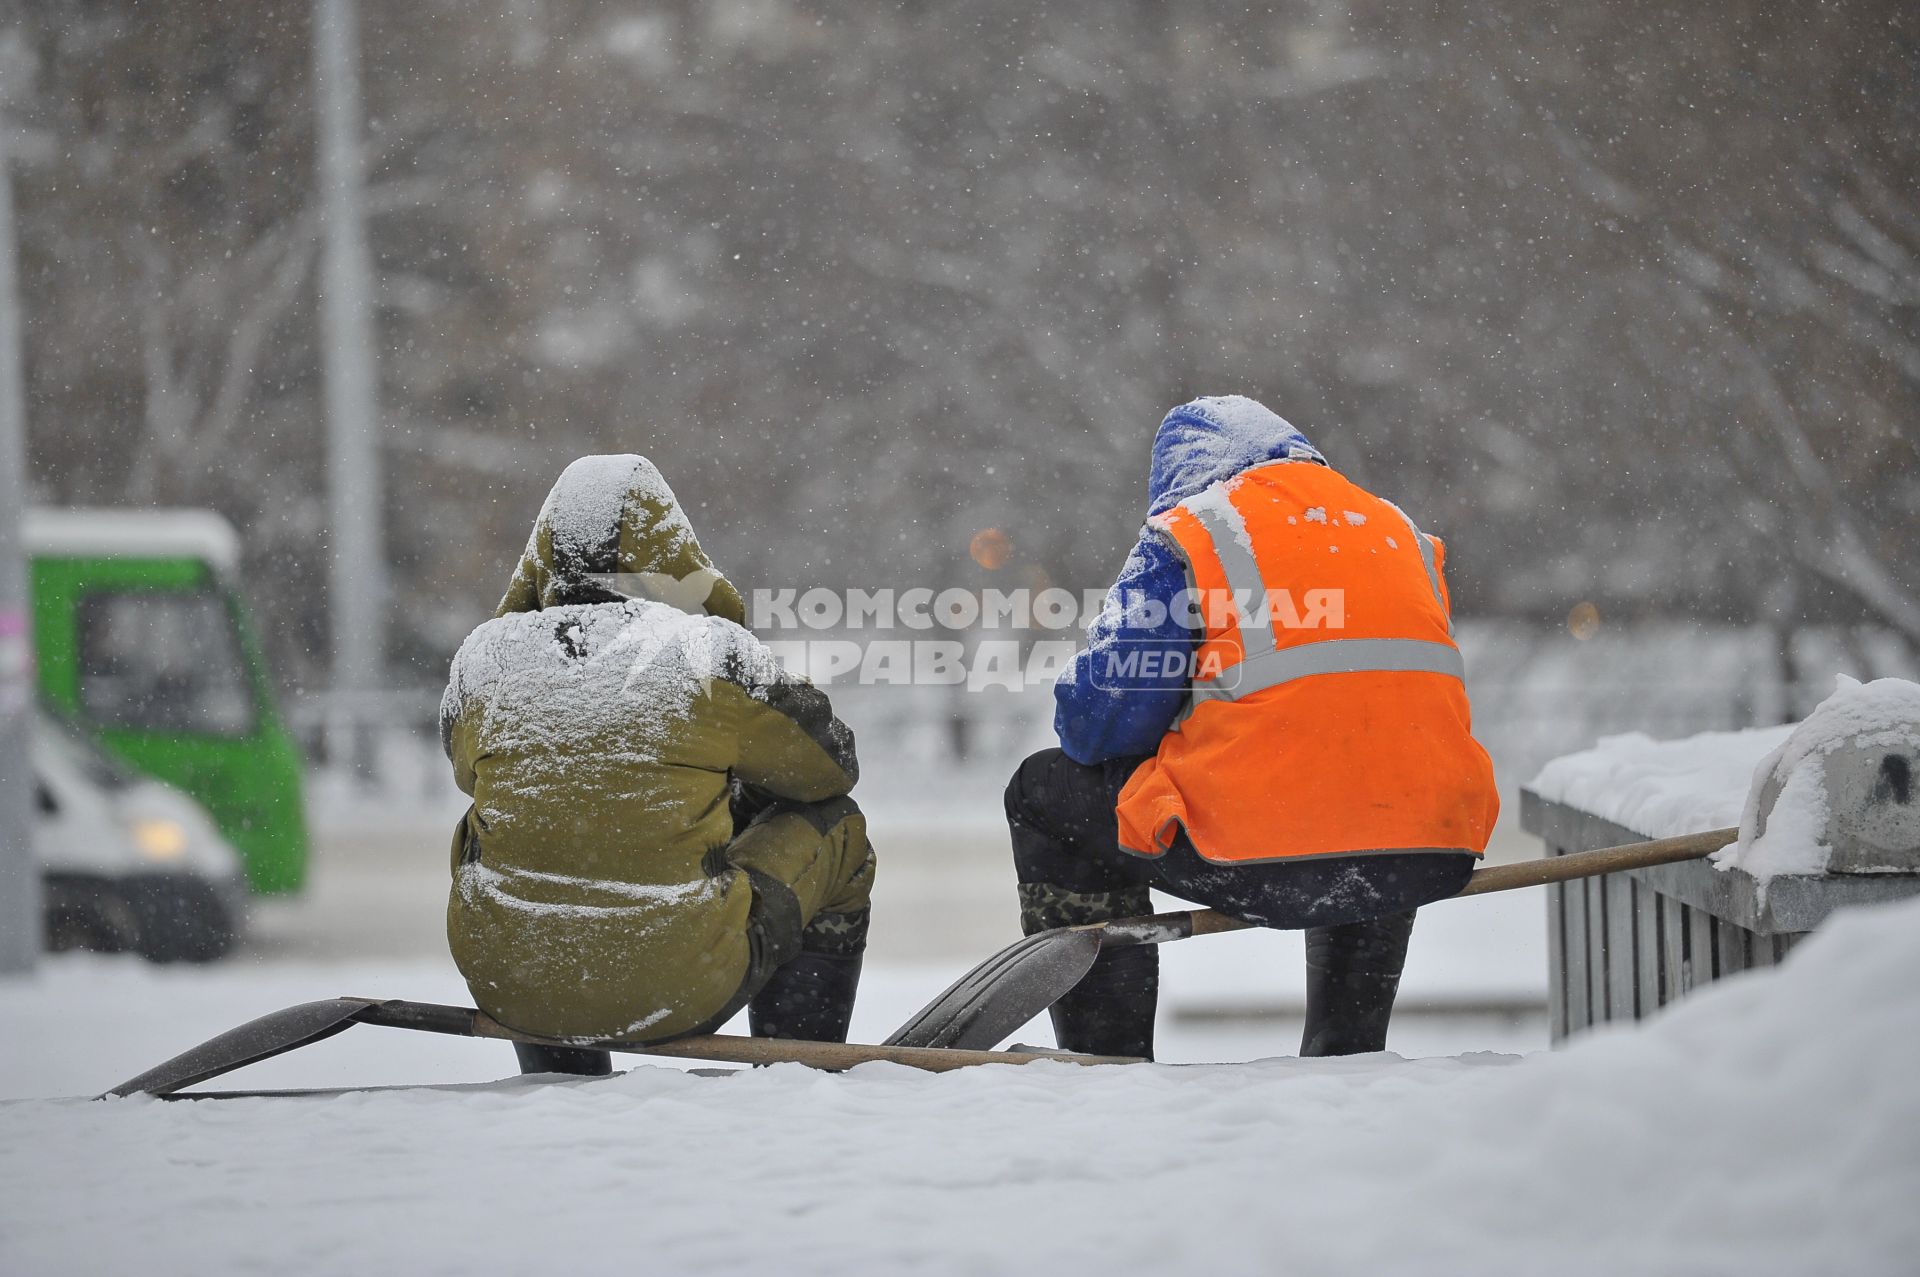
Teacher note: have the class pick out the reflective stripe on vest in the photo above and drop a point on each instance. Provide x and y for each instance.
(1425, 543)
(1233, 546)
(1331, 656)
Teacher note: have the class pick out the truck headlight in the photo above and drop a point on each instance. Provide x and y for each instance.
(160, 839)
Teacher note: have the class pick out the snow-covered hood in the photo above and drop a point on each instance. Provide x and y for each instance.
(612, 529)
(1207, 440)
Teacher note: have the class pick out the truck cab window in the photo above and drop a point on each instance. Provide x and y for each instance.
(165, 661)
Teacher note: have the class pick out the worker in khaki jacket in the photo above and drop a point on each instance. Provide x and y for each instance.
(1271, 719)
(660, 831)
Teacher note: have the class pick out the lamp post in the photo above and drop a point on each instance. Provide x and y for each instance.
(357, 596)
(20, 924)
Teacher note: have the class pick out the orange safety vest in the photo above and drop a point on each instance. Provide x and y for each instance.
(1333, 721)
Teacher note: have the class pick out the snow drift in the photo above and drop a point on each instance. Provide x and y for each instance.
(1661, 788)
(1766, 1124)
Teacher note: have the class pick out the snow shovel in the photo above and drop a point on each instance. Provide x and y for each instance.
(989, 1002)
(293, 1027)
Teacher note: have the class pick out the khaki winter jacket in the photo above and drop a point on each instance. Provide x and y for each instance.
(592, 896)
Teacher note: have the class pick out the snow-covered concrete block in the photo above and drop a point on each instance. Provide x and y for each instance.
(1837, 796)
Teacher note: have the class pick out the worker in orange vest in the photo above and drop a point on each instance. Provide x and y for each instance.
(1270, 718)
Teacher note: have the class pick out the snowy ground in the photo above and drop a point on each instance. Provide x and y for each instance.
(1767, 1124)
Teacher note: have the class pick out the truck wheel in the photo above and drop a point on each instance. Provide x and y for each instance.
(89, 914)
(182, 921)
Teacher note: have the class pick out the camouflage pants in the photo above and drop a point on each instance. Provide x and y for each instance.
(812, 870)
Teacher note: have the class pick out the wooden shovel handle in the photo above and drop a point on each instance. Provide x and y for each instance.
(1162, 927)
(1603, 860)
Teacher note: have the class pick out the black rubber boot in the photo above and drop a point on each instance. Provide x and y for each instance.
(579, 1061)
(1110, 1012)
(1353, 972)
(811, 996)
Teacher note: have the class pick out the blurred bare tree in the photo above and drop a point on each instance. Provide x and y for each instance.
(1621, 298)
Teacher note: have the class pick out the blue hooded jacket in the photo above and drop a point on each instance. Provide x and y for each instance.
(1198, 444)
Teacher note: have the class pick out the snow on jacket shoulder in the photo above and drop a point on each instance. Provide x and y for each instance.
(1200, 443)
(602, 735)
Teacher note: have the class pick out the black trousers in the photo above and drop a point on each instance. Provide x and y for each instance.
(1357, 911)
(1065, 833)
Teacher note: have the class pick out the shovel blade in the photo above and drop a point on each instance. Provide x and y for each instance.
(272, 1034)
(980, 1009)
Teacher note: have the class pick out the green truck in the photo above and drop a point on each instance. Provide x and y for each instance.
(142, 642)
